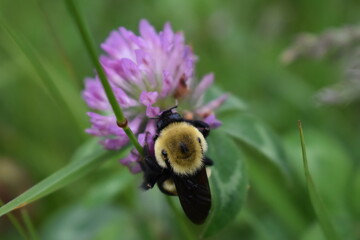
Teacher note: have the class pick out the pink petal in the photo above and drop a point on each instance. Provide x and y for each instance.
(211, 106)
(136, 123)
(148, 32)
(167, 84)
(167, 37)
(141, 138)
(128, 70)
(135, 168)
(212, 121)
(204, 84)
(143, 57)
(148, 98)
(94, 132)
(114, 44)
(114, 143)
(132, 162)
(112, 68)
(148, 135)
(102, 123)
(152, 111)
(151, 127)
(124, 100)
(131, 158)
(94, 95)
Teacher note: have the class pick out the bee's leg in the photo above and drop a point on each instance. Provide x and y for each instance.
(203, 127)
(208, 161)
(152, 172)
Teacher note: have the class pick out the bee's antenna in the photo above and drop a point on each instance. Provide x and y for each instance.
(169, 109)
(153, 118)
(173, 107)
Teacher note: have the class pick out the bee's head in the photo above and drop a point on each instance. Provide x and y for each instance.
(167, 117)
(182, 146)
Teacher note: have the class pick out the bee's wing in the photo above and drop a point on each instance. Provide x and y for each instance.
(194, 194)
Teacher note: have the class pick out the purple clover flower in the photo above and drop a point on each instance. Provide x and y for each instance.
(148, 74)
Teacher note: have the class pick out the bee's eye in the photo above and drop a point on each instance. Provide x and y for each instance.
(164, 153)
(199, 140)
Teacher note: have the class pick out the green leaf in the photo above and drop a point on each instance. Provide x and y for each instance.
(110, 186)
(231, 103)
(82, 222)
(251, 131)
(228, 181)
(356, 193)
(313, 232)
(318, 205)
(89, 156)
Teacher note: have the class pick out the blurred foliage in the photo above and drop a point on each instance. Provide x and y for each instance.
(241, 42)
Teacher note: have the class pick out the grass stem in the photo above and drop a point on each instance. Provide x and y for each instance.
(90, 47)
(16, 223)
(317, 203)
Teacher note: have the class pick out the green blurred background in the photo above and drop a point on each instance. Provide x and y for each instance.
(241, 42)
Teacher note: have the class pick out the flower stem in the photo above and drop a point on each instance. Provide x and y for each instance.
(90, 47)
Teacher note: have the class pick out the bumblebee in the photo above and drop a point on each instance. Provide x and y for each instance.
(178, 163)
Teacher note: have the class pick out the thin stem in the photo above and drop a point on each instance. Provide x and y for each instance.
(316, 201)
(303, 149)
(90, 47)
(28, 223)
(187, 234)
(16, 223)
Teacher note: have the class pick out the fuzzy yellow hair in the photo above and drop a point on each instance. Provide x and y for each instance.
(169, 186)
(170, 139)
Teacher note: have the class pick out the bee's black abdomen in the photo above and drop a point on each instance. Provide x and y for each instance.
(194, 194)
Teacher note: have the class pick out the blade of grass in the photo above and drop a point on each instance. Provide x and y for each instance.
(87, 158)
(90, 47)
(29, 225)
(16, 223)
(45, 77)
(318, 205)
